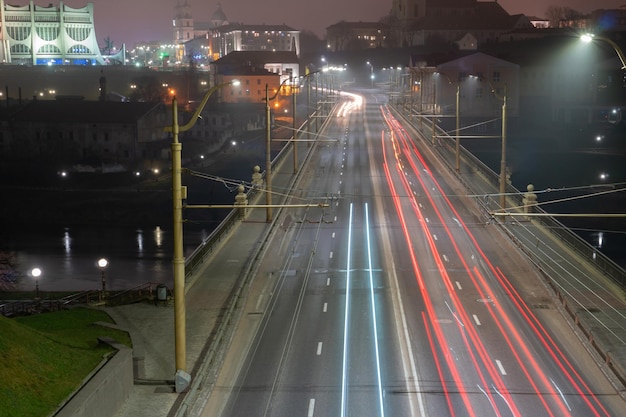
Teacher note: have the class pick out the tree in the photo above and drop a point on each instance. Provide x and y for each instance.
(8, 270)
(556, 14)
(108, 46)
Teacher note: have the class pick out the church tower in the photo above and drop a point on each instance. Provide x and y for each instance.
(183, 23)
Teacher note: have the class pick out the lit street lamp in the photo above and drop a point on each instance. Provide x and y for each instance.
(588, 38)
(503, 152)
(178, 194)
(36, 273)
(268, 156)
(102, 264)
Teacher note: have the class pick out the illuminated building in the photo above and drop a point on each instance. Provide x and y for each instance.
(48, 35)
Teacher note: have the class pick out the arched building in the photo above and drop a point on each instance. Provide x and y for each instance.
(48, 35)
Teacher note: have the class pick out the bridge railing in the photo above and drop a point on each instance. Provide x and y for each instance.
(222, 231)
(446, 148)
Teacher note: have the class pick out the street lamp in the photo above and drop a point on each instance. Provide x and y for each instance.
(36, 273)
(588, 38)
(102, 264)
(503, 152)
(178, 194)
(268, 156)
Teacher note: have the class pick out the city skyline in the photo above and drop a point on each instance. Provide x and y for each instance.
(116, 19)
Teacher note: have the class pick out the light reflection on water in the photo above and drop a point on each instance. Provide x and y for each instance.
(67, 257)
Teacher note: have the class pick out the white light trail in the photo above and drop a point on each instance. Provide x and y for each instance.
(345, 324)
(374, 319)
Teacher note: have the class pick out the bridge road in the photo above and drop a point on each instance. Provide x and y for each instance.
(388, 303)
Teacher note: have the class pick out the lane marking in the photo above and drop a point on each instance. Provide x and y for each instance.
(311, 407)
(327, 282)
(319, 348)
(325, 309)
(445, 258)
(502, 371)
(333, 235)
(331, 254)
(476, 319)
(344, 372)
(458, 285)
(374, 315)
(435, 237)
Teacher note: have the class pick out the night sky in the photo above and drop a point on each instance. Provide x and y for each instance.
(128, 21)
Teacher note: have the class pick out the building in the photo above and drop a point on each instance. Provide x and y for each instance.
(71, 133)
(344, 36)
(238, 37)
(254, 70)
(424, 22)
(38, 35)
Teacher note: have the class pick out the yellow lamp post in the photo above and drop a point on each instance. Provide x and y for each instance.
(179, 193)
(503, 152)
(268, 156)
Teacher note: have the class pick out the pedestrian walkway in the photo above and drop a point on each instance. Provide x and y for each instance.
(151, 326)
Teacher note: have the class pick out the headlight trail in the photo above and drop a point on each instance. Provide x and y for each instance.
(543, 386)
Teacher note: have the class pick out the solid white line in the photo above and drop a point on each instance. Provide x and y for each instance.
(476, 319)
(502, 371)
(311, 407)
(344, 373)
(319, 348)
(325, 309)
(458, 285)
(374, 318)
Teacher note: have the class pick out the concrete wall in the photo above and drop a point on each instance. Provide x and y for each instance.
(106, 391)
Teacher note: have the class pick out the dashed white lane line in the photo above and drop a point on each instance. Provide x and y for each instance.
(311, 407)
(319, 348)
(502, 371)
(476, 319)
(333, 236)
(327, 282)
(325, 309)
(458, 285)
(331, 254)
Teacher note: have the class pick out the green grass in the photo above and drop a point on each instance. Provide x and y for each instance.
(45, 357)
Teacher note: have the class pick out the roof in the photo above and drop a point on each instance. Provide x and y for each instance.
(485, 16)
(80, 111)
(356, 25)
(233, 27)
(257, 58)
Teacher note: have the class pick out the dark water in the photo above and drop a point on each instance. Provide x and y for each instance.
(68, 255)
(582, 178)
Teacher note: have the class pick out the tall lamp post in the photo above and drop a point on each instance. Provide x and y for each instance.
(268, 156)
(178, 194)
(503, 152)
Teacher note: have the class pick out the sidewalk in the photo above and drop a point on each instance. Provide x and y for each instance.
(209, 290)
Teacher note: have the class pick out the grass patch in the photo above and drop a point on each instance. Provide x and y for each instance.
(45, 357)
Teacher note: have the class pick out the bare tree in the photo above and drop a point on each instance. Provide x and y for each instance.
(8, 270)
(556, 14)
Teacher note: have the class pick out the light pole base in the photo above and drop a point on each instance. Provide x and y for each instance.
(182, 381)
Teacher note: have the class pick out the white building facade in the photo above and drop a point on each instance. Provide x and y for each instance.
(38, 35)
